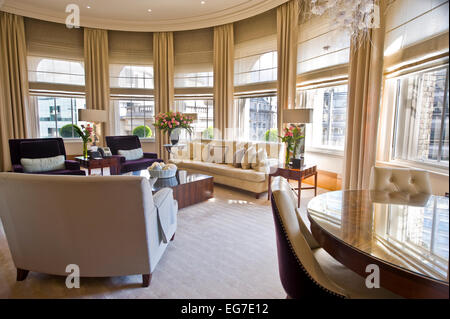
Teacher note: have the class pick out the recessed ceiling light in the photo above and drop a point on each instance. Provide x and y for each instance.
(88, 7)
(202, 2)
(149, 10)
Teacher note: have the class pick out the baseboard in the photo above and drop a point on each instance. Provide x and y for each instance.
(326, 180)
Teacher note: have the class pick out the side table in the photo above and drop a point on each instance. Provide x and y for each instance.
(91, 163)
(298, 175)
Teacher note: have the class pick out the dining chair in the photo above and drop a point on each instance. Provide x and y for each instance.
(307, 270)
(406, 180)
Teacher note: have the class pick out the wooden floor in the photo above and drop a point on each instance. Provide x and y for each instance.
(327, 180)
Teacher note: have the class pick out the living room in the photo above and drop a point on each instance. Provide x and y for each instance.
(224, 149)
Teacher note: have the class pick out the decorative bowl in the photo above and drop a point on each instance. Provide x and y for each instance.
(161, 170)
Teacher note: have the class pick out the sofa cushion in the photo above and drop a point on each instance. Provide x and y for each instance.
(249, 158)
(260, 160)
(137, 165)
(36, 165)
(237, 157)
(131, 155)
(225, 170)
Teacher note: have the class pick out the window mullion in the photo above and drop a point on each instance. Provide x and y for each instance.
(441, 135)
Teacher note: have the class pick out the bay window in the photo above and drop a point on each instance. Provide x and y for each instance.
(131, 76)
(136, 116)
(329, 116)
(204, 109)
(421, 125)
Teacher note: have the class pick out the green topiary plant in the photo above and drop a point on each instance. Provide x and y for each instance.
(142, 131)
(66, 131)
(208, 133)
(271, 135)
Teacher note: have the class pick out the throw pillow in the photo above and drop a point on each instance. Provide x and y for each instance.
(206, 154)
(237, 157)
(219, 153)
(37, 165)
(131, 155)
(248, 158)
(260, 160)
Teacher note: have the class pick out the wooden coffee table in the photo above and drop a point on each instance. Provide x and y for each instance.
(196, 189)
(111, 162)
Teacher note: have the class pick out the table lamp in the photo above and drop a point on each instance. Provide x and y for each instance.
(95, 117)
(298, 116)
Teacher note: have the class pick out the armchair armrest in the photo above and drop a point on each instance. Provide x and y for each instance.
(72, 165)
(163, 196)
(17, 168)
(120, 157)
(151, 155)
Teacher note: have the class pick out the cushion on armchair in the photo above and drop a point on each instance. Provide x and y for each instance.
(39, 149)
(36, 165)
(131, 155)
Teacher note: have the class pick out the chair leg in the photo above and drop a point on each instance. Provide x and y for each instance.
(173, 237)
(146, 279)
(21, 274)
(257, 195)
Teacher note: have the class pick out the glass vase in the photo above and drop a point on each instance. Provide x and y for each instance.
(85, 150)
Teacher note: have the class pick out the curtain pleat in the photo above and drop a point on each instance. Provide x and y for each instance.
(163, 71)
(13, 84)
(223, 80)
(96, 64)
(287, 27)
(364, 94)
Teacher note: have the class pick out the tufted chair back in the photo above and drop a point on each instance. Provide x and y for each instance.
(406, 180)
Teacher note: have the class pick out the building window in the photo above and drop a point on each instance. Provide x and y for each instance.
(137, 117)
(198, 79)
(330, 116)
(55, 71)
(57, 115)
(257, 118)
(205, 114)
(421, 124)
(256, 68)
(131, 76)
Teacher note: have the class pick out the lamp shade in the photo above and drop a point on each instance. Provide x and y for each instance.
(89, 115)
(297, 115)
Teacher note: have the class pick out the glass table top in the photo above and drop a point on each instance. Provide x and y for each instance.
(160, 183)
(408, 231)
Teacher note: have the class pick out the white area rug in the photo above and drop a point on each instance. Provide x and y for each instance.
(224, 248)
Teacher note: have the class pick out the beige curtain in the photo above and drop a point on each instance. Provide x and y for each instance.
(287, 28)
(223, 80)
(164, 83)
(364, 93)
(96, 65)
(13, 84)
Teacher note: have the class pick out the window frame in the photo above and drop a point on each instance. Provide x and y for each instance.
(258, 71)
(327, 84)
(430, 164)
(184, 97)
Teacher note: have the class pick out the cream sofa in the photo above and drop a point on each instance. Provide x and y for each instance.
(107, 225)
(194, 158)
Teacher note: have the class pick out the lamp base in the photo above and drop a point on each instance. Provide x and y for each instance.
(296, 163)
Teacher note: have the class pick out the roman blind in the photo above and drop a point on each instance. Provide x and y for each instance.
(131, 48)
(255, 50)
(415, 30)
(321, 46)
(193, 58)
(53, 40)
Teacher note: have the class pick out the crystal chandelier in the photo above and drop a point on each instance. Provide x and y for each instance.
(356, 17)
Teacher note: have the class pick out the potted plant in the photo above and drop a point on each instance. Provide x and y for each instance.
(292, 137)
(85, 133)
(171, 122)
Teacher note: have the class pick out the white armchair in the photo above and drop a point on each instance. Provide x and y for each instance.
(406, 180)
(107, 225)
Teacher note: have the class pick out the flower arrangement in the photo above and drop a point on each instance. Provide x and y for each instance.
(169, 121)
(85, 132)
(292, 136)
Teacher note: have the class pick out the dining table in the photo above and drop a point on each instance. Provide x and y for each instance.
(403, 236)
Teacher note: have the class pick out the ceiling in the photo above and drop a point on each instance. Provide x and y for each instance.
(134, 15)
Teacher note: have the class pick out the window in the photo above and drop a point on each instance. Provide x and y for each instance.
(330, 115)
(257, 118)
(136, 117)
(205, 114)
(198, 79)
(131, 76)
(256, 68)
(421, 124)
(57, 115)
(55, 71)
